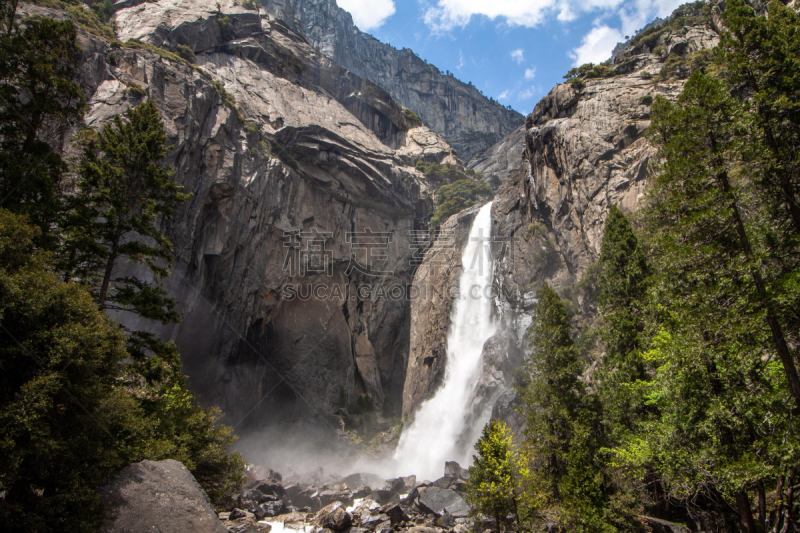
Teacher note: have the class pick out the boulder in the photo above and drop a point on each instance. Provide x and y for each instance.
(327, 497)
(436, 501)
(358, 480)
(385, 496)
(333, 517)
(271, 489)
(362, 492)
(662, 526)
(395, 513)
(453, 469)
(270, 509)
(397, 485)
(158, 497)
(290, 518)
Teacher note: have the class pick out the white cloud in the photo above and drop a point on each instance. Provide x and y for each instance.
(596, 45)
(448, 14)
(505, 95)
(530, 73)
(368, 14)
(528, 93)
(518, 55)
(460, 60)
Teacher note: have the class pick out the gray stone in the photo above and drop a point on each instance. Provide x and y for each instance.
(158, 497)
(333, 517)
(453, 469)
(436, 501)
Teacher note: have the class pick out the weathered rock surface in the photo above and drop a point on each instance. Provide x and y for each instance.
(435, 286)
(296, 167)
(442, 501)
(503, 160)
(467, 119)
(579, 153)
(158, 497)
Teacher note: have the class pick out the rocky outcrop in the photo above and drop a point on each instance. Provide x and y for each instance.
(305, 203)
(158, 497)
(503, 160)
(458, 111)
(584, 151)
(435, 288)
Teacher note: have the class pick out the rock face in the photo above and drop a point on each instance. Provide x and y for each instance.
(503, 160)
(584, 151)
(305, 203)
(158, 497)
(467, 119)
(435, 286)
(579, 153)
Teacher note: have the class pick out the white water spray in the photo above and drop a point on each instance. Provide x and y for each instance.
(434, 436)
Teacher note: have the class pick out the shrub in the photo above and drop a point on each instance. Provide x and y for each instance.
(412, 116)
(457, 196)
(646, 99)
(186, 53)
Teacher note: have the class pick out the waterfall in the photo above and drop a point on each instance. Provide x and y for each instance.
(438, 431)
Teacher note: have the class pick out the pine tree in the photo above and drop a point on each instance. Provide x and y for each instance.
(492, 488)
(716, 381)
(622, 295)
(39, 101)
(124, 195)
(563, 433)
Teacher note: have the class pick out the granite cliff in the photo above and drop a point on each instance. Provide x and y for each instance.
(582, 150)
(303, 178)
(458, 111)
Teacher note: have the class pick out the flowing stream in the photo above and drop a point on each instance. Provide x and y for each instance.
(439, 428)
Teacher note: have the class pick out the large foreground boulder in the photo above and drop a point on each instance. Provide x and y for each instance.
(158, 497)
(436, 501)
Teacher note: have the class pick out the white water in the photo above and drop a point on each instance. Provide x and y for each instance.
(434, 436)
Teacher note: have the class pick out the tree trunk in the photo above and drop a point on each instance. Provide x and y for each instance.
(112, 258)
(778, 337)
(762, 506)
(788, 515)
(745, 513)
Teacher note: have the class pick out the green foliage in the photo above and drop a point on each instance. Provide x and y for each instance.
(124, 192)
(79, 400)
(251, 4)
(646, 100)
(59, 357)
(93, 20)
(721, 357)
(563, 434)
(412, 116)
(494, 485)
(590, 71)
(186, 53)
(135, 90)
(577, 83)
(37, 96)
(457, 196)
(690, 14)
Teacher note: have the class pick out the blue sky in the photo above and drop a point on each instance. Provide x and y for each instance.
(513, 50)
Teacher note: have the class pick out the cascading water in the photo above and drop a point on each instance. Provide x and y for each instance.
(436, 435)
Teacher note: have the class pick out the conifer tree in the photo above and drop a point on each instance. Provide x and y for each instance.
(125, 193)
(716, 355)
(563, 433)
(39, 101)
(492, 488)
(622, 293)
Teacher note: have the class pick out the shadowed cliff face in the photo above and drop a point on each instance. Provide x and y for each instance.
(579, 153)
(305, 200)
(459, 112)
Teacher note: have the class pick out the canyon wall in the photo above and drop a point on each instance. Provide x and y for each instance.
(580, 152)
(458, 111)
(302, 178)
